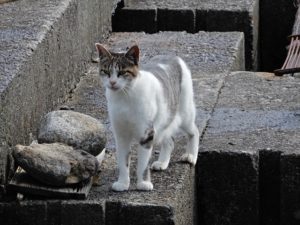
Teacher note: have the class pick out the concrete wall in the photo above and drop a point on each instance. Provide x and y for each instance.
(45, 47)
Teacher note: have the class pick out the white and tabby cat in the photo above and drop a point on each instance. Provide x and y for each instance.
(147, 103)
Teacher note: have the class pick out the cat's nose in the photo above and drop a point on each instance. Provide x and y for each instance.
(113, 82)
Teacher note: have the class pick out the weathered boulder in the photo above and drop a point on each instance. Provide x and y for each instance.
(73, 128)
(56, 164)
(4, 1)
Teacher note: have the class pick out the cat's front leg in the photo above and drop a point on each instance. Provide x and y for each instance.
(123, 159)
(144, 154)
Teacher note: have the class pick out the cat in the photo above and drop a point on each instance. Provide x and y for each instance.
(148, 103)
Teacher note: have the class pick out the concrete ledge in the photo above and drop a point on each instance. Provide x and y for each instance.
(193, 16)
(290, 183)
(45, 46)
(85, 212)
(269, 185)
(173, 199)
(205, 52)
(39, 212)
(256, 116)
(227, 186)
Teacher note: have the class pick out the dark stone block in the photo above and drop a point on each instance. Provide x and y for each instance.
(53, 212)
(275, 24)
(290, 188)
(269, 187)
(223, 20)
(8, 213)
(6, 166)
(135, 20)
(31, 213)
(3, 164)
(176, 20)
(124, 213)
(82, 212)
(227, 188)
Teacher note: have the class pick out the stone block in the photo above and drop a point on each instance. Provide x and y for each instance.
(176, 20)
(53, 212)
(8, 213)
(273, 32)
(3, 163)
(269, 187)
(31, 213)
(212, 52)
(250, 118)
(193, 16)
(227, 185)
(290, 191)
(124, 213)
(133, 20)
(244, 21)
(82, 212)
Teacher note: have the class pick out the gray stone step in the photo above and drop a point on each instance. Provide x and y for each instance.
(248, 165)
(192, 16)
(44, 49)
(173, 199)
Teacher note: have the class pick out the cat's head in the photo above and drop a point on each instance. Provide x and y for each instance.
(118, 70)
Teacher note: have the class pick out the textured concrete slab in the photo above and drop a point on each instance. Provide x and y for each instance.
(192, 16)
(205, 52)
(256, 116)
(44, 49)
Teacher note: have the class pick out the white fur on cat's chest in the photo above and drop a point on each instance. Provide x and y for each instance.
(131, 113)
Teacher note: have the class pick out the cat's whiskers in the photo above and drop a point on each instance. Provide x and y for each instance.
(125, 91)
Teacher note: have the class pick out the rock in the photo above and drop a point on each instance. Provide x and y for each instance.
(4, 1)
(75, 129)
(56, 164)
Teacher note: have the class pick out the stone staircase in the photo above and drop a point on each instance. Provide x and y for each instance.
(248, 165)
(192, 16)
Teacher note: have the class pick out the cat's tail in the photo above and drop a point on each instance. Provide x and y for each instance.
(186, 109)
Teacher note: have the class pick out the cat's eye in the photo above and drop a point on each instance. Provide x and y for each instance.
(106, 72)
(121, 73)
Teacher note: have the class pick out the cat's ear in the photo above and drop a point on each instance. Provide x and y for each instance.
(102, 51)
(133, 54)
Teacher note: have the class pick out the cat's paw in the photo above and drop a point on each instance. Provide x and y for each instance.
(118, 186)
(145, 186)
(157, 165)
(188, 158)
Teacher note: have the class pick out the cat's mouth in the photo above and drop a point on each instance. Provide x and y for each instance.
(114, 88)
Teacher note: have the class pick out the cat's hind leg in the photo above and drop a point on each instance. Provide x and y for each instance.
(144, 154)
(191, 153)
(166, 149)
